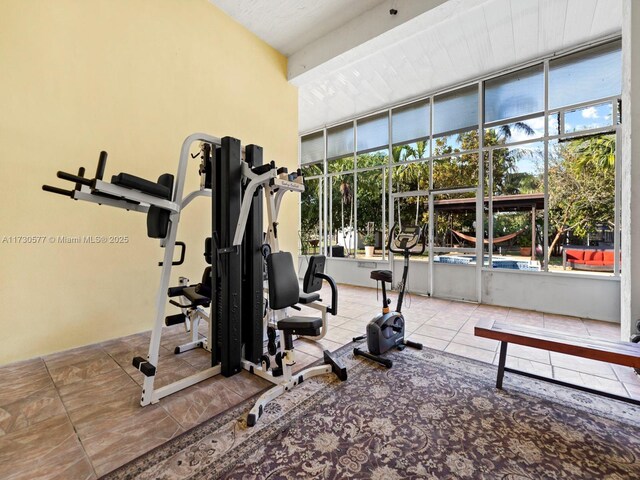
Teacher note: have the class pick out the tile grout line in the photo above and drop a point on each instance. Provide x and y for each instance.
(69, 418)
(623, 383)
(629, 394)
(119, 366)
(161, 405)
(176, 420)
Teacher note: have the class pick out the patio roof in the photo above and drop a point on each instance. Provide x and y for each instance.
(522, 202)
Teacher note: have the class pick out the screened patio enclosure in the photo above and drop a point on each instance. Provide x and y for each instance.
(515, 169)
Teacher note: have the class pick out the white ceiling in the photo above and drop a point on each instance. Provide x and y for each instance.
(289, 25)
(454, 42)
(349, 57)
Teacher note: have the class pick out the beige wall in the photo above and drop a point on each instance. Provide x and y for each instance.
(133, 78)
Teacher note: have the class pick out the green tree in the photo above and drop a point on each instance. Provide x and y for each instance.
(370, 199)
(310, 213)
(581, 187)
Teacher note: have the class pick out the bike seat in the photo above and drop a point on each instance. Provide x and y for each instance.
(382, 275)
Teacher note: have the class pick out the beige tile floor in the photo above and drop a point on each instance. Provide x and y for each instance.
(76, 414)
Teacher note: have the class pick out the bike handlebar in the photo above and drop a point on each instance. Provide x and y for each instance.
(407, 249)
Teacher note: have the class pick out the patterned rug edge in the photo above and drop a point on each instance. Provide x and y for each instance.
(175, 444)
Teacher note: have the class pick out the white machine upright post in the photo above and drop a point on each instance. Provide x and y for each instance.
(149, 393)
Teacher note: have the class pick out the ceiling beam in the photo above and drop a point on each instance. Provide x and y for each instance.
(360, 30)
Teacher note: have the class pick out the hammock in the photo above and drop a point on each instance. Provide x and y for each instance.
(502, 239)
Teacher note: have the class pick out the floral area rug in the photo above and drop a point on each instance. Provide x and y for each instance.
(432, 415)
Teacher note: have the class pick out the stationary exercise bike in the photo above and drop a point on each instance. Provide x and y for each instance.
(386, 330)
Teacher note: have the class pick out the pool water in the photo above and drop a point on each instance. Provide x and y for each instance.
(498, 262)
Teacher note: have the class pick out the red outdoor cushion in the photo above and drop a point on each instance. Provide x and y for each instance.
(594, 256)
(609, 257)
(575, 255)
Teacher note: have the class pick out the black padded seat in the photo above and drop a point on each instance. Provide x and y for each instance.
(308, 298)
(195, 298)
(382, 275)
(300, 325)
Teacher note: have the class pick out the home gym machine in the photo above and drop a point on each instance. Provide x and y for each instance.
(387, 330)
(236, 281)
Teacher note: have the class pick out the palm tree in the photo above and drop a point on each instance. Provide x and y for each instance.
(505, 132)
(599, 152)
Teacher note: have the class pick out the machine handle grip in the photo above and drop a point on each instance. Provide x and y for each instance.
(389, 247)
(80, 174)
(74, 178)
(423, 237)
(102, 164)
(333, 309)
(183, 252)
(59, 191)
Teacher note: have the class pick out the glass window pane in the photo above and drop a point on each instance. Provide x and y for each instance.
(411, 177)
(586, 118)
(373, 132)
(312, 148)
(456, 171)
(456, 110)
(411, 122)
(454, 228)
(340, 164)
(342, 216)
(582, 204)
(411, 151)
(519, 170)
(584, 76)
(412, 211)
(373, 159)
(514, 132)
(514, 245)
(554, 123)
(312, 169)
(513, 95)
(456, 143)
(370, 197)
(340, 140)
(310, 215)
(518, 207)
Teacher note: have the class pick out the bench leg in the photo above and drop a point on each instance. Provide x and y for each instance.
(501, 364)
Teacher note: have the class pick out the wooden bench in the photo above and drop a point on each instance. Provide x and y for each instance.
(620, 353)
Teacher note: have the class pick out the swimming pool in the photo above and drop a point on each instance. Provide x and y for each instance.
(498, 262)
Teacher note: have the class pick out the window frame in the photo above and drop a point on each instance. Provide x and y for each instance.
(389, 190)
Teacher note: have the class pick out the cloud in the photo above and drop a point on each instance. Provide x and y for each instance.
(591, 112)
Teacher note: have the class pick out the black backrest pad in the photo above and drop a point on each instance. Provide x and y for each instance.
(283, 281)
(166, 180)
(204, 288)
(207, 250)
(157, 222)
(312, 283)
(157, 218)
